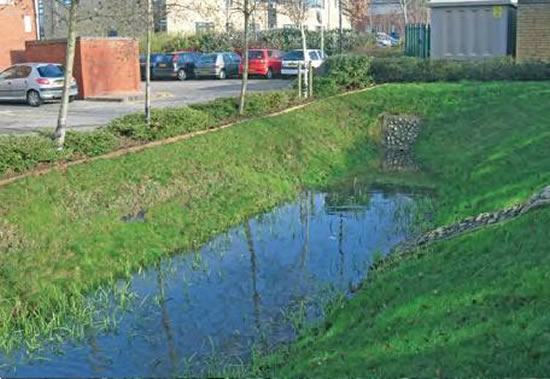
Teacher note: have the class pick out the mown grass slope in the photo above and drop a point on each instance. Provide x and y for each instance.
(483, 146)
(473, 306)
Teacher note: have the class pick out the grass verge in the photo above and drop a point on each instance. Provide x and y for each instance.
(473, 306)
(63, 234)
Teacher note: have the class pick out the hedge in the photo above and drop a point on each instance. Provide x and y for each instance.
(21, 153)
(282, 39)
(342, 73)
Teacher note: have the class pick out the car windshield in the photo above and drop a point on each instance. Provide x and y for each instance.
(208, 59)
(51, 71)
(165, 58)
(256, 54)
(294, 56)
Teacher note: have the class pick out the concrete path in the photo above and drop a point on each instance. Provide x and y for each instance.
(87, 115)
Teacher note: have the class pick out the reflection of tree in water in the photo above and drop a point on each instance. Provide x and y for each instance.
(347, 197)
(166, 324)
(254, 273)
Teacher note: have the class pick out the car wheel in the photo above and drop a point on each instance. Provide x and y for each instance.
(222, 75)
(182, 75)
(34, 99)
(71, 98)
(269, 74)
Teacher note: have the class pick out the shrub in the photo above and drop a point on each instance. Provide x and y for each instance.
(267, 102)
(407, 69)
(341, 73)
(90, 144)
(165, 123)
(18, 154)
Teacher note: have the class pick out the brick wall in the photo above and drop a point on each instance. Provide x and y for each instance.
(102, 66)
(533, 30)
(12, 30)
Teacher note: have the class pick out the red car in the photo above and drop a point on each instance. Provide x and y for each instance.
(264, 62)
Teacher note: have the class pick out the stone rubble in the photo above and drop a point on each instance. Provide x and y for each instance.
(470, 224)
(399, 134)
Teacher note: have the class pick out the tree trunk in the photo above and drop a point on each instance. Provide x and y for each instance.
(68, 79)
(404, 6)
(340, 28)
(306, 57)
(244, 83)
(148, 64)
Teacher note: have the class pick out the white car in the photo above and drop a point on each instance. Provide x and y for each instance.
(293, 59)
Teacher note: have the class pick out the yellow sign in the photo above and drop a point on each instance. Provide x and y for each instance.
(497, 11)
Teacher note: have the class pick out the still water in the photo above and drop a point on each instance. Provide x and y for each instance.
(248, 288)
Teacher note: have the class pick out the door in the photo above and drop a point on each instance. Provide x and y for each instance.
(228, 64)
(19, 83)
(236, 61)
(315, 59)
(6, 83)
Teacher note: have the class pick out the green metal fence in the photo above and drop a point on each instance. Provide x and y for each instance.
(417, 40)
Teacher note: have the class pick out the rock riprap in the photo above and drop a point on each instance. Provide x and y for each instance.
(399, 134)
(482, 220)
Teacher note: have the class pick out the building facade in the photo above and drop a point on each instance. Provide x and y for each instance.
(126, 18)
(533, 30)
(17, 25)
(222, 15)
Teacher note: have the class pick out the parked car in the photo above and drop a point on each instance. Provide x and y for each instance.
(218, 65)
(143, 62)
(384, 40)
(34, 83)
(293, 59)
(179, 65)
(264, 62)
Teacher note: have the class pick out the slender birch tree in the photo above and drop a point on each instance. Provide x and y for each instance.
(298, 12)
(247, 9)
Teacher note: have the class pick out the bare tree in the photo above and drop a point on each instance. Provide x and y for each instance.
(298, 12)
(356, 11)
(69, 63)
(247, 8)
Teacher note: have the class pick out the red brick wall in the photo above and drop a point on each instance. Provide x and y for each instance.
(533, 27)
(103, 66)
(110, 65)
(12, 31)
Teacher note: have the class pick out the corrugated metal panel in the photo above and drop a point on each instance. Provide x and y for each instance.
(471, 31)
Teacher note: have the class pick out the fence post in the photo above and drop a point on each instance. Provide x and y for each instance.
(310, 81)
(300, 81)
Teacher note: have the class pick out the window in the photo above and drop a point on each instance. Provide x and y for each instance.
(204, 27)
(51, 71)
(9, 73)
(257, 54)
(22, 72)
(236, 57)
(270, 54)
(313, 56)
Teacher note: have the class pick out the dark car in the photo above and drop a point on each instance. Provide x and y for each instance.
(180, 66)
(142, 63)
(218, 65)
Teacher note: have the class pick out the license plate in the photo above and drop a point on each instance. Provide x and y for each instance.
(162, 65)
(58, 82)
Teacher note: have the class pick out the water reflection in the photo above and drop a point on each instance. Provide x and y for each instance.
(253, 285)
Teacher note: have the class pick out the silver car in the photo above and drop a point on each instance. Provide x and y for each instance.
(34, 83)
(218, 65)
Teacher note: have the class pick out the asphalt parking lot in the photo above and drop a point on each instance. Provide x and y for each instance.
(87, 115)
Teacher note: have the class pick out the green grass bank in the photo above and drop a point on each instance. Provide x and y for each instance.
(469, 307)
(483, 146)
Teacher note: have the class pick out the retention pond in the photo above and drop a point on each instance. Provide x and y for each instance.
(252, 287)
